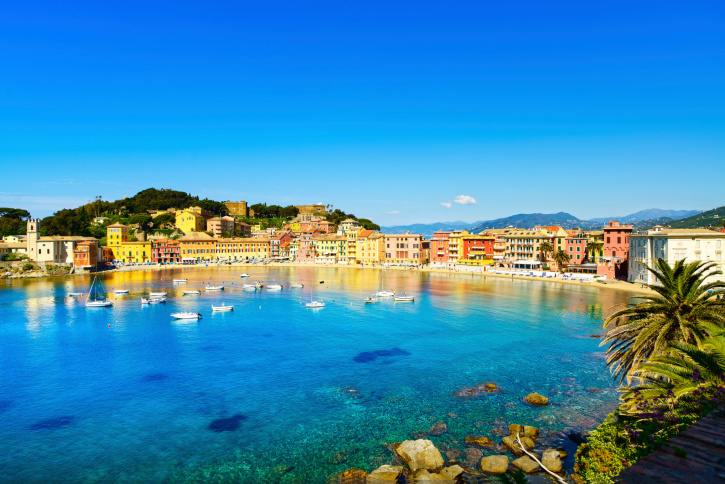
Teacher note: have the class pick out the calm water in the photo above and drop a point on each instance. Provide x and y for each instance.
(272, 392)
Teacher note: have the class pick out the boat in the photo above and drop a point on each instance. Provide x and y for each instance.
(92, 300)
(186, 315)
(371, 299)
(158, 294)
(382, 292)
(274, 286)
(214, 288)
(249, 287)
(187, 293)
(296, 285)
(315, 305)
(153, 300)
(260, 285)
(404, 298)
(120, 291)
(178, 281)
(244, 275)
(75, 294)
(223, 307)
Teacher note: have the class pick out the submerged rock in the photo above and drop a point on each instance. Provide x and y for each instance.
(513, 446)
(352, 476)
(226, 424)
(424, 476)
(524, 431)
(552, 460)
(536, 400)
(479, 441)
(385, 474)
(419, 454)
(369, 356)
(472, 456)
(450, 474)
(494, 464)
(53, 423)
(593, 390)
(453, 454)
(526, 464)
(438, 429)
(477, 390)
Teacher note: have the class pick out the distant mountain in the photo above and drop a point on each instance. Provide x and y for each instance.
(714, 217)
(649, 214)
(528, 220)
(426, 229)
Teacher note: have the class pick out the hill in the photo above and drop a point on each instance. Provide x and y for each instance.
(426, 229)
(649, 214)
(527, 220)
(714, 217)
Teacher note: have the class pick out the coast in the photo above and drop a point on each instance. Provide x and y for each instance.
(607, 285)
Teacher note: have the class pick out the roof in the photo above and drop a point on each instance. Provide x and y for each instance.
(350, 220)
(197, 237)
(64, 238)
(116, 225)
(365, 233)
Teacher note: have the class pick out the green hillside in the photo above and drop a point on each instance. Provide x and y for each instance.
(714, 217)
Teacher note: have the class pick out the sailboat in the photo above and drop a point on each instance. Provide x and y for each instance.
(382, 292)
(92, 300)
(314, 304)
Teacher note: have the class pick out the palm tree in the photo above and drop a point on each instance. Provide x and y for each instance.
(681, 371)
(561, 258)
(594, 247)
(546, 248)
(682, 311)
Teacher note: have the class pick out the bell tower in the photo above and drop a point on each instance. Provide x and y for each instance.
(33, 235)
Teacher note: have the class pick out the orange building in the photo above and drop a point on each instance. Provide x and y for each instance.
(85, 255)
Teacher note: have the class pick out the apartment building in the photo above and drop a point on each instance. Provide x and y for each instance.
(404, 249)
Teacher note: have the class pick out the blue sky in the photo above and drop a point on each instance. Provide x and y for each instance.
(388, 110)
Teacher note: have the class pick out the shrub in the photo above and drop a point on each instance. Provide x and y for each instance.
(27, 267)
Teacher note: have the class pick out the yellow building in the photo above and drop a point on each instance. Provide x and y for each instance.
(293, 226)
(190, 221)
(242, 249)
(370, 247)
(116, 234)
(130, 252)
(312, 209)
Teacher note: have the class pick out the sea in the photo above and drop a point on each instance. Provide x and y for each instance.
(274, 392)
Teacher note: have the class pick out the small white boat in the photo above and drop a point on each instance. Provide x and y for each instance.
(244, 275)
(315, 305)
(214, 288)
(153, 300)
(404, 298)
(98, 304)
(249, 287)
(371, 299)
(223, 307)
(274, 286)
(196, 291)
(384, 294)
(259, 284)
(75, 294)
(120, 291)
(158, 294)
(179, 281)
(296, 285)
(186, 316)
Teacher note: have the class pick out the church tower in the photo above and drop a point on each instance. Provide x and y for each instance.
(33, 237)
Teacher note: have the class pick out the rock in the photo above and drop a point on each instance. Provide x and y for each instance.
(451, 473)
(418, 435)
(552, 460)
(512, 445)
(424, 476)
(516, 429)
(490, 387)
(438, 429)
(594, 336)
(453, 415)
(562, 452)
(577, 437)
(385, 474)
(524, 431)
(472, 456)
(352, 476)
(495, 464)
(419, 454)
(536, 400)
(337, 458)
(526, 464)
(593, 390)
(479, 441)
(453, 454)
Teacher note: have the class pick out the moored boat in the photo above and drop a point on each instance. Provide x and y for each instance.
(214, 288)
(158, 294)
(153, 300)
(194, 291)
(179, 281)
(223, 307)
(315, 305)
(98, 304)
(371, 299)
(244, 275)
(274, 286)
(75, 294)
(186, 315)
(120, 291)
(384, 294)
(404, 298)
(250, 287)
(296, 285)
(92, 300)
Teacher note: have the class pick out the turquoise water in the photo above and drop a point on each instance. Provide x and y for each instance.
(272, 392)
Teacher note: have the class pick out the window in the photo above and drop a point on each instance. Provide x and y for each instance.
(619, 240)
(697, 244)
(607, 240)
(578, 256)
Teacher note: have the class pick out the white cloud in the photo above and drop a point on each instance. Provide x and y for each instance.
(447, 204)
(465, 200)
(394, 212)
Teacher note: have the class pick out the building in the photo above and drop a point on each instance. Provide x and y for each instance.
(165, 251)
(241, 249)
(673, 245)
(349, 224)
(576, 247)
(55, 249)
(197, 246)
(439, 254)
(276, 242)
(524, 244)
(476, 250)
(116, 235)
(294, 249)
(312, 209)
(306, 252)
(404, 249)
(188, 221)
(319, 224)
(219, 225)
(616, 247)
(85, 255)
(370, 247)
(99, 220)
(330, 248)
(15, 239)
(239, 209)
(133, 252)
(242, 229)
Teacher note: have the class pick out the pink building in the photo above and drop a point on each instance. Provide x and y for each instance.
(575, 245)
(307, 252)
(616, 247)
(276, 242)
(323, 226)
(439, 248)
(404, 249)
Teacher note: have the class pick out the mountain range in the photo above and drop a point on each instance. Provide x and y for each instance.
(641, 219)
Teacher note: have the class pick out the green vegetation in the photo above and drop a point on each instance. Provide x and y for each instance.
(714, 217)
(670, 347)
(12, 221)
(262, 211)
(593, 248)
(27, 266)
(546, 248)
(163, 219)
(561, 258)
(15, 256)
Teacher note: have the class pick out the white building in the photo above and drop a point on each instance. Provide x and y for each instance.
(673, 245)
(56, 249)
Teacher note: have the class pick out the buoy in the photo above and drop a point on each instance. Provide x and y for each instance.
(109, 325)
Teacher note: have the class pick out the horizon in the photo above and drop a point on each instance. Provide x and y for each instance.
(402, 114)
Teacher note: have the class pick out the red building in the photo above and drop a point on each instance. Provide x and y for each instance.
(164, 251)
(439, 248)
(276, 242)
(85, 255)
(477, 247)
(616, 247)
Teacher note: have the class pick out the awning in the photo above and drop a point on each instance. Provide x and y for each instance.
(498, 257)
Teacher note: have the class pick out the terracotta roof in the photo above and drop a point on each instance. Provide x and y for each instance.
(64, 238)
(197, 236)
(116, 225)
(365, 233)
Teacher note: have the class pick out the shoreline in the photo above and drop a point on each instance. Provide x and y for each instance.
(609, 284)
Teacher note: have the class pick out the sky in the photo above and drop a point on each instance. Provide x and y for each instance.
(400, 112)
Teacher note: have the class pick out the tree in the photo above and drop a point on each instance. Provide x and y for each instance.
(546, 248)
(163, 219)
(682, 311)
(225, 235)
(561, 258)
(142, 219)
(368, 225)
(14, 213)
(593, 248)
(260, 210)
